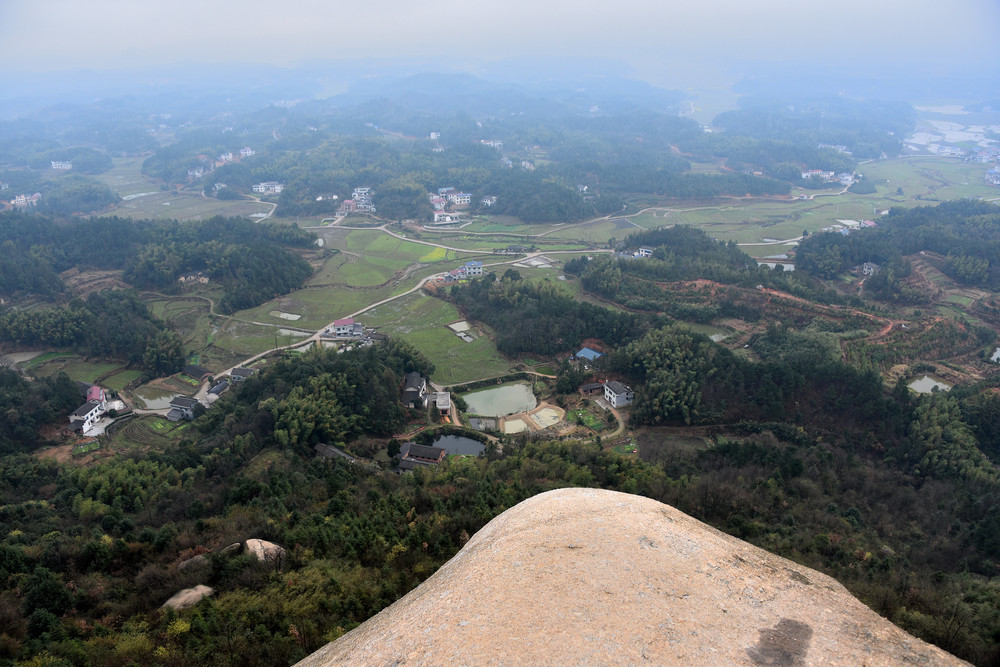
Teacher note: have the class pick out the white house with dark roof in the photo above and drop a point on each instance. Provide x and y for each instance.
(617, 394)
(241, 374)
(181, 407)
(87, 415)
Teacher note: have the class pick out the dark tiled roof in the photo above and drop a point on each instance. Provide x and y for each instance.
(617, 387)
(85, 409)
(183, 402)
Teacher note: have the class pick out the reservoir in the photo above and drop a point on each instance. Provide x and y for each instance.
(500, 401)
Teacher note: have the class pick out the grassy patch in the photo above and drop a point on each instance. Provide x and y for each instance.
(86, 448)
(421, 320)
(544, 370)
(184, 206)
(47, 357)
(120, 379)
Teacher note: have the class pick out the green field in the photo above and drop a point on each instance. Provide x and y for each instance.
(126, 177)
(120, 379)
(75, 367)
(420, 320)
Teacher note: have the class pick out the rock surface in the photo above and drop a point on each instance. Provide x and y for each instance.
(264, 550)
(188, 597)
(584, 576)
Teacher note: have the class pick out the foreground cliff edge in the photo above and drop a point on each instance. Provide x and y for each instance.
(599, 577)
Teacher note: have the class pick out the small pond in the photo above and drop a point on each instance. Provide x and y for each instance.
(503, 400)
(926, 384)
(456, 444)
(155, 399)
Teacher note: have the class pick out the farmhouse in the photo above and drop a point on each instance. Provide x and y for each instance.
(199, 373)
(617, 394)
(181, 407)
(269, 188)
(588, 354)
(444, 217)
(241, 374)
(61, 164)
(85, 416)
(411, 451)
(348, 327)
(246, 152)
(415, 391)
(218, 389)
(591, 388)
(473, 268)
(645, 251)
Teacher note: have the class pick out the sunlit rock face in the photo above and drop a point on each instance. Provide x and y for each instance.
(584, 576)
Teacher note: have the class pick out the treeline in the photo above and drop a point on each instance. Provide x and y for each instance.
(114, 324)
(683, 378)
(247, 258)
(541, 318)
(966, 232)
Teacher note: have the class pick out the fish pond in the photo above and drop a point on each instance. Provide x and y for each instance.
(927, 384)
(506, 399)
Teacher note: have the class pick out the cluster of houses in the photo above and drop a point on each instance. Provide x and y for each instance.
(209, 164)
(984, 156)
(828, 176)
(448, 204)
(471, 269)
(615, 393)
(361, 200)
(845, 227)
(992, 177)
(24, 201)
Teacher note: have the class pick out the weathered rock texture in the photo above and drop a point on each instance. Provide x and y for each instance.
(264, 550)
(188, 597)
(583, 576)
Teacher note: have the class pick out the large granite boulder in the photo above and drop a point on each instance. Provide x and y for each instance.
(584, 576)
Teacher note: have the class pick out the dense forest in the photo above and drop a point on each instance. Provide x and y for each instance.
(253, 262)
(113, 324)
(966, 233)
(541, 318)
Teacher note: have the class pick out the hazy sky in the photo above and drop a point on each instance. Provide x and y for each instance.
(49, 35)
